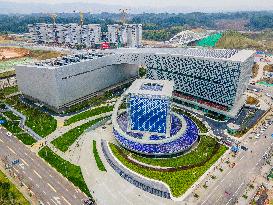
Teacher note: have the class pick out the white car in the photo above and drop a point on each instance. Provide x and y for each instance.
(9, 134)
(268, 95)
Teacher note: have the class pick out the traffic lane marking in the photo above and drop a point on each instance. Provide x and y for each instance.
(11, 150)
(51, 187)
(37, 174)
(238, 188)
(242, 158)
(66, 201)
(24, 162)
(1, 141)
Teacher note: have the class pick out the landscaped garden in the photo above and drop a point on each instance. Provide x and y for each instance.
(67, 139)
(97, 157)
(40, 122)
(11, 116)
(88, 113)
(72, 172)
(9, 194)
(184, 176)
(205, 149)
(14, 128)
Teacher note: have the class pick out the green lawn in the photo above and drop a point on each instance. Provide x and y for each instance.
(40, 122)
(88, 113)
(70, 171)
(201, 126)
(178, 181)
(9, 193)
(7, 74)
(18, 132)
(11, 116)
(67, 139)
(203, 152)
(97, 157)
(8, 91)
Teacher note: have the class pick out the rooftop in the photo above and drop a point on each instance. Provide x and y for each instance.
(210, 53)
(151, 87)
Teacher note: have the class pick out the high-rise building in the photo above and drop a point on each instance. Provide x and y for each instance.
(69, 34)
(127, 35)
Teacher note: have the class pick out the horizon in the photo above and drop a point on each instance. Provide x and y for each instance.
(158, 6)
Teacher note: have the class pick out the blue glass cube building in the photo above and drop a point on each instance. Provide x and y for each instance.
(148, 104)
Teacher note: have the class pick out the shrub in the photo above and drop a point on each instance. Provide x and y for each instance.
(9, 193)
(203, 152)
(97, 157)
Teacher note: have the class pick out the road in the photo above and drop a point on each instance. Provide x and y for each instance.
(227, 189)
(46, 184)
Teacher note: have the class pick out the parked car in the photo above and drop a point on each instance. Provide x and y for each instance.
(244, 148)
(9, 134)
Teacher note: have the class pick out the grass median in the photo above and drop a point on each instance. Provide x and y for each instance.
(70, 171)
(97, 157)
(88, 113)
(67, 139)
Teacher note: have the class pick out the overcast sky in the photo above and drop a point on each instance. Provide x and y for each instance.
(213, 5)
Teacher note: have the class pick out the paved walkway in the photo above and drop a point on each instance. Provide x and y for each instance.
(108, 187)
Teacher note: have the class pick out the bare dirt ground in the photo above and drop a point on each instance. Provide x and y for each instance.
(11, 53)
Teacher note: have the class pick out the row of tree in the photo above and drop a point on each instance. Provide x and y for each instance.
(151, 21)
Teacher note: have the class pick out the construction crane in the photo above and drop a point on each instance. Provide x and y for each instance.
(53, 17)
(123, 13)
(81, 18)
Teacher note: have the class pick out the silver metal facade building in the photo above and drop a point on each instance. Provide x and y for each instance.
(214, 79)
(62, 84)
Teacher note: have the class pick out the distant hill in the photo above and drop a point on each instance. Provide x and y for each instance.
(27, 8)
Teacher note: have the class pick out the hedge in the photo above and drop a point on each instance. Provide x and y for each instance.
(97, 157)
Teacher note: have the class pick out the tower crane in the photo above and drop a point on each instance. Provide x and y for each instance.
(123, 13)
(53, 17)
(81, 18)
